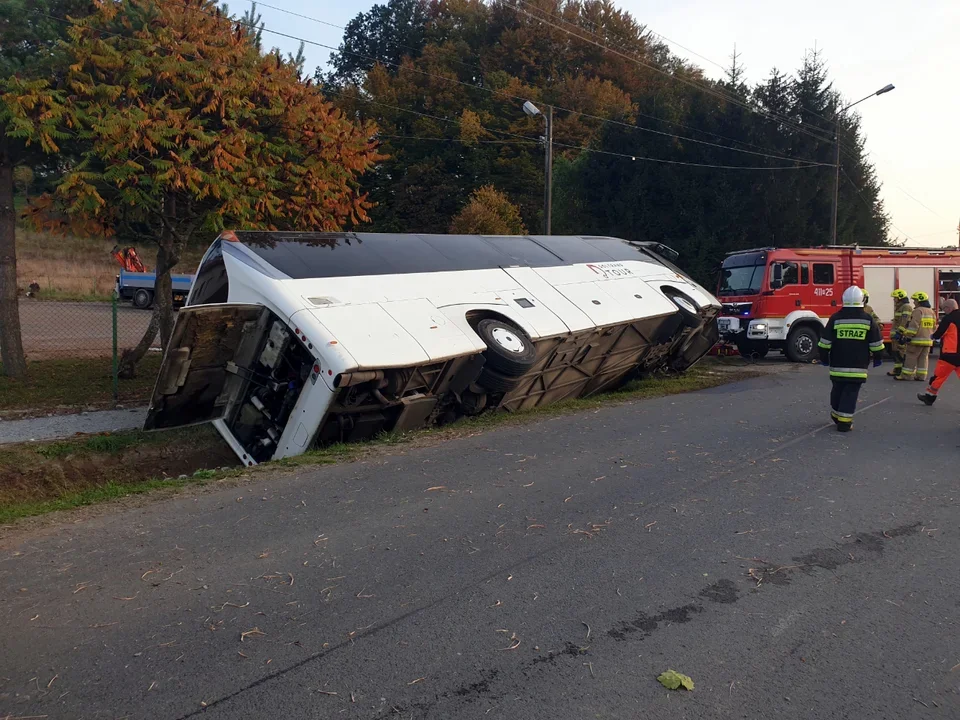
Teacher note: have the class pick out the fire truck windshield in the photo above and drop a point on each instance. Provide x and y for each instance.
(742, 274)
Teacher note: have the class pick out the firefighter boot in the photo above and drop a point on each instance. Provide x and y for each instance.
(927, 398)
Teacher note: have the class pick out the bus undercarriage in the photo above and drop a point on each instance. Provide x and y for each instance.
(402, 399)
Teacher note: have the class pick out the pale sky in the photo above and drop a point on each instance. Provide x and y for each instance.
(912, 133)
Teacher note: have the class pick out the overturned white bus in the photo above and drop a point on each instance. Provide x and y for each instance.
(292, 340)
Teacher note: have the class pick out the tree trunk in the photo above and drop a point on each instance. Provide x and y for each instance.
(163, 290)
(11, 342)
(169, 250)
(130, 358)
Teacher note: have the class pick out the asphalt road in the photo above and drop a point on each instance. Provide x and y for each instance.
(68, 329)
(546, 571)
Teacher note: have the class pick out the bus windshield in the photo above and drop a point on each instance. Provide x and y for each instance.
(742, 274)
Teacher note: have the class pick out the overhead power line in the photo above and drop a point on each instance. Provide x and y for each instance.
(632, 157)
(582, 148)
(903, 190)
(869, 204)
(686, 81)
(517, 98)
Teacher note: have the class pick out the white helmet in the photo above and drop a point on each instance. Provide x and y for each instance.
(853, 297)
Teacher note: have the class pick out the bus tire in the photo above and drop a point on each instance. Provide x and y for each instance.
(143, 298)
(510, 351)
(494, 382)
(801, 344)
(685, 306)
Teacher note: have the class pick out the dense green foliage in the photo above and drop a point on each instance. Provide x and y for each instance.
(445, 82)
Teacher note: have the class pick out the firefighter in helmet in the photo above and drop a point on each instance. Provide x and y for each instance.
(901, 318)
(919, 338)
(847, 342)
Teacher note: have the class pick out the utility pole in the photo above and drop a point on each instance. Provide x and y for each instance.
(836, 181)
(548, 174)
(836, 160)
(532, 110)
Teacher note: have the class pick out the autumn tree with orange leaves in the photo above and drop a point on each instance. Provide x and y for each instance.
(188, 129)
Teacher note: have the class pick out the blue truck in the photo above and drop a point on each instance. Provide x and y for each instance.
(138, 288)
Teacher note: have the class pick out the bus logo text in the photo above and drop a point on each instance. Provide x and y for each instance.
(610, 270)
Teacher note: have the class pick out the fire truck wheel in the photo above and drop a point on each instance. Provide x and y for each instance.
(142, 299)
(802, 344)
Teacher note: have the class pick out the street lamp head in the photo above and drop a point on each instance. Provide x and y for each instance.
(885, 89)
(532, 110)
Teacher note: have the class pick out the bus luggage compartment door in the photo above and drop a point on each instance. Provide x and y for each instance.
(195, 385)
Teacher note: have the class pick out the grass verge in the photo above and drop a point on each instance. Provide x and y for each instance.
(80, 269)
(74, 382)
(44, 477)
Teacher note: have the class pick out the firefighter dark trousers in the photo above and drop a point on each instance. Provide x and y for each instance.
(843, 400)
(941, 373)
(915, 363)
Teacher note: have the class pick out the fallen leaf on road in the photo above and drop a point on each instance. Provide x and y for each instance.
(251, 633)
(436, 487)
(672, 680)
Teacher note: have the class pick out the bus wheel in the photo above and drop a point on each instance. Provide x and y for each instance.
(802, 345)
(685, 306)
(494, 382)
(142, 299)
(510, 351)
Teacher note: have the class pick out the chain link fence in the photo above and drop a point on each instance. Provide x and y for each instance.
(88, 335)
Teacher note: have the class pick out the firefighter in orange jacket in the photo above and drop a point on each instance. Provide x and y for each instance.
(948, 333)
(848, 339)
(918, 337)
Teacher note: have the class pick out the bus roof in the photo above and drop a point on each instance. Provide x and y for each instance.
(301, 255)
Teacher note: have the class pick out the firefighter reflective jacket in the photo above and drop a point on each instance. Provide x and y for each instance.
(922, 323)
(847, 341)
(901, 317)
(949, 336)
(869, 311)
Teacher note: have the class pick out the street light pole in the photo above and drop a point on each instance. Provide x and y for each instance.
(548, 174)
(532, 110)
(836, 160)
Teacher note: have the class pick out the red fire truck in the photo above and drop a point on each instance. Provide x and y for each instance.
(780, 298)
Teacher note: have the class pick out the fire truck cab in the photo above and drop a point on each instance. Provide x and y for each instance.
(780, 298)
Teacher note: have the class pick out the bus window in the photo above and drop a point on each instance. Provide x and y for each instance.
(572, 249)
(467, 252)
(523, 251)
(823, 273)
(211, 285)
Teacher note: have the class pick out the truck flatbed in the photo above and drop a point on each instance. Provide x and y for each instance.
(138, 288)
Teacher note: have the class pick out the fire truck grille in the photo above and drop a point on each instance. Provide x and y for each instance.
(737, 308)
